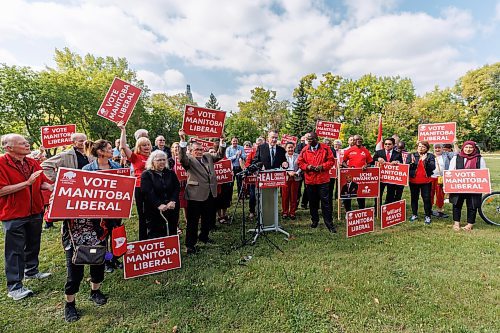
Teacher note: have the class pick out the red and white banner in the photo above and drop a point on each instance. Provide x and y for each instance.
(328, 129)
(404, 154)
(393, 213)
(87, 194)
(224, 171)
(271, 179)
(57, 136)
(119, 101)
(397, 174)
(180, 171)
(361, 221)
(252, 179)
(152, 256)
(121, 171)
(288, 138)
(205, 143)
(467, 181)
(356, 183)
(333, 170)
(437, 133)
(203, 122)
(119, 241)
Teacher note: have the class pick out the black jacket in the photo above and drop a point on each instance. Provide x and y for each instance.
(264, 155)
(429, 164)
(159, 188)
(395, 156)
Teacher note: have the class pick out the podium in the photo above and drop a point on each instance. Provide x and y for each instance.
(266, 191)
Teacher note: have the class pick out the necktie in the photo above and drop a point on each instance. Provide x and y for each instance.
(272, 155)
(388, 156)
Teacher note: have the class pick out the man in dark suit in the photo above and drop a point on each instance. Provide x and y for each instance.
(392, 156)
(349, 190)
(270, 154)
(201, 189)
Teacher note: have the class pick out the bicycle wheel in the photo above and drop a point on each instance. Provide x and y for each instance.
(490, 208)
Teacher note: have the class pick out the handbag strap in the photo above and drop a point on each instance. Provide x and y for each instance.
(71, 235)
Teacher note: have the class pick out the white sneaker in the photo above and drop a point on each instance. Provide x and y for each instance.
(37, 276)
(20, 293)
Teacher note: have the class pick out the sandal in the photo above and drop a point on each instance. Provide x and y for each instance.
(468, 227)
(456, 226)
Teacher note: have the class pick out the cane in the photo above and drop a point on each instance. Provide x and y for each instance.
(168, 229)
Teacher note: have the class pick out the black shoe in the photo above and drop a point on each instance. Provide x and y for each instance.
(98, 297)
(304, 206)
(333, 229)
(292, 217)
(108, 267)
(48, 225)
(191, 250)
(443, 215)
(314, 225)
(118, 264)
(435, 213)
(70, 313)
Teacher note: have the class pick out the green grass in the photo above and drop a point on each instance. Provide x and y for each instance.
(408, 278)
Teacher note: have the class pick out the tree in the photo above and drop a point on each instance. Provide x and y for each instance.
(212, 103)
(297, 123)
(242, 127)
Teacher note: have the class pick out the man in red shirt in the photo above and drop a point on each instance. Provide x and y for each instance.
(316, 160)
(356, 157)
(21, 207)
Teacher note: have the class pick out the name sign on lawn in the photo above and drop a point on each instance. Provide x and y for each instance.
(121, 171)
(288, 138)
(119, 101)
(180, 171)
(356, 183)
(271, 179)
(393, 213)
(467, 181)
(437, 133)
(57, 136)
(397, 174)
(87, 194)
(151, 256)
(361, 221)
(203, 122)
(328, 129)
(224, 171)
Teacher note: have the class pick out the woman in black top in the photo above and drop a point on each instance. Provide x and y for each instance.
(161, 196)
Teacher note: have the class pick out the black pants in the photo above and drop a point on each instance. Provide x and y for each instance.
(391, 193)
(347, 204)
(316, 194)
(398, 195)
(196, 209)
(252, 201)
(302, 194)
(239, 180)
(457, 208)
(156, 225)
(74, 273)
(22, 246)
(425, 191)
(139, 201)
(332, 190)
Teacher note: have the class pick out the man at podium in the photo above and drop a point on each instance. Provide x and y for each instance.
(270, 154)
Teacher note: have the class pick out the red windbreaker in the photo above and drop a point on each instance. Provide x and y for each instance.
(322, 156)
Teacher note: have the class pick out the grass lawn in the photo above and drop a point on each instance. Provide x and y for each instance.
(408, 278)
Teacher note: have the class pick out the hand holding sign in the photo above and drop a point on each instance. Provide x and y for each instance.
(182, 135)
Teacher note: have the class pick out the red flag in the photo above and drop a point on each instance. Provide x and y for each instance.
(119, 241)
(380, 143)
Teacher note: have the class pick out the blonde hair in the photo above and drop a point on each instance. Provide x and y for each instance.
(154, 155)
(172, 149)
(139, 143)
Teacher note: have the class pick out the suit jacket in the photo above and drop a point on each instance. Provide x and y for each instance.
(201, 179)
(395, 156)
(295, 167)
(65, 159)
(349, 191)
(264, 155)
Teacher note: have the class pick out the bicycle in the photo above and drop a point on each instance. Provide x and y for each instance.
(490, 208)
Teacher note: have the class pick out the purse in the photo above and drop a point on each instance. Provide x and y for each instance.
(87, 254)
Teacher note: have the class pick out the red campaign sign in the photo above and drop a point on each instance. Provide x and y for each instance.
(288, 138)
(119, 101)
(205, 143)
(333, 170)
(121, 171)
(224, 171)
(252, 179)
(437, 133)
(328, 129)
(57, 136)
(87, 194)
(271, 179)
(203, 122)
(393, 213)
(397, 174)
(180, 171)
(340, 156)
(404, 154)
(152, 256)
(361, 221)
(364, 184)
(467, 181)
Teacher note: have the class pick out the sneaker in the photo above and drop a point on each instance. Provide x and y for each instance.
(117, 263)
(435, 213)
(427, 220)
(443, 215)
(20, 293)
(292, 217)
(413, 218)
(98, 297)
(251, 215)
(108, 267)
(333, 229)
(37, 276)
(70, 313)
(284, 217)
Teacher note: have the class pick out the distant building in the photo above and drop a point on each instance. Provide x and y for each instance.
(188, 93)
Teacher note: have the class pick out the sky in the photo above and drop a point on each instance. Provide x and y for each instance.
(229, 47)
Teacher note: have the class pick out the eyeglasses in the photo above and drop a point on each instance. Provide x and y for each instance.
(387, 144)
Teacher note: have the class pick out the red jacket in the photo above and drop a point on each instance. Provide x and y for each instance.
(322, 156)
(250, 157)
(26, 202)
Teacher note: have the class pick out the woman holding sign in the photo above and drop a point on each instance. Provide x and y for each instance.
(138, 158)
(468, 158)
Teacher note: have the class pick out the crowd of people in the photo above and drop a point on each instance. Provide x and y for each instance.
(27, 178)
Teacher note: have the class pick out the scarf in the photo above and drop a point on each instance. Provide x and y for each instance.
(470, 159)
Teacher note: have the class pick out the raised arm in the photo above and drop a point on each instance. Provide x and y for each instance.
(123, 140)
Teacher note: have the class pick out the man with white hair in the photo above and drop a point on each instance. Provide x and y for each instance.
(141, 133)
(21, 207)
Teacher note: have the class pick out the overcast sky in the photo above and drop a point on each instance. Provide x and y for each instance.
(229, 47)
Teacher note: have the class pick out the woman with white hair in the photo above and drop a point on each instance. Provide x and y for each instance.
(160, 188)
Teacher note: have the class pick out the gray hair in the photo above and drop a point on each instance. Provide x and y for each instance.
(438, 145)
(337, 142)
(153, 156)
(259, 140)
(6, 139)
(141, 133)
(75, 135)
